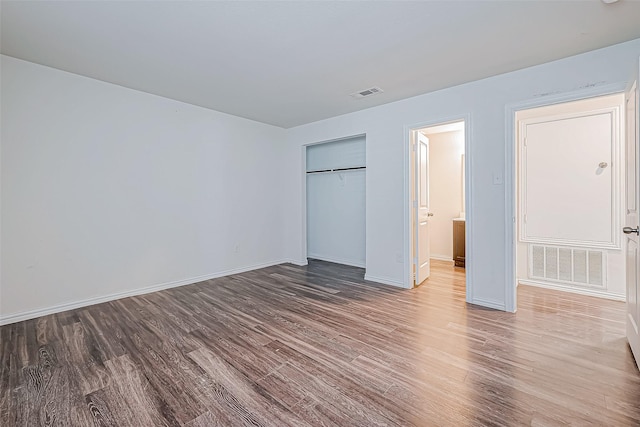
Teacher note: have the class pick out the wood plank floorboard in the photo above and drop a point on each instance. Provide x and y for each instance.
(320, 346)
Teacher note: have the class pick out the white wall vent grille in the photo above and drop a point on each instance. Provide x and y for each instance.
(583, 267)
(366, 92)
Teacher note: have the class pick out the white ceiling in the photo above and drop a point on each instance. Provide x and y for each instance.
(289, 63)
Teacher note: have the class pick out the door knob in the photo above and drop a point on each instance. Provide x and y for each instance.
(629, 230)
(430, 214)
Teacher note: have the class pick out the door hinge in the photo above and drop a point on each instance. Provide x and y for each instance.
(415, 203)
(413, 147)
(415, 261)
(524, 219)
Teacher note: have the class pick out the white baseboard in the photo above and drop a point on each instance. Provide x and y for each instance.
(299, 263)
(575, 290)
(489, 304)
(353, 263)
(384, 280)
(441, 257)
(26, 315)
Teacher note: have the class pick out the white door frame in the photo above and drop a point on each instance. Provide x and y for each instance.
(408, 197)
(510, 189)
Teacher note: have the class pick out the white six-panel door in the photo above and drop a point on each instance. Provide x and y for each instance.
(421, 205)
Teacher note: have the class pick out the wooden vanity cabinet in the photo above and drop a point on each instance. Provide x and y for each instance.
(458, 242)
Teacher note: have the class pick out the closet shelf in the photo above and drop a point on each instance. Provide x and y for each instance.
(338, 169)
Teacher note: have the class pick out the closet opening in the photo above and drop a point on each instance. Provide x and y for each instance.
(335, 201)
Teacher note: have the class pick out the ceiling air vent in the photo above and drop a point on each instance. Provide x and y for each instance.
(366, 92)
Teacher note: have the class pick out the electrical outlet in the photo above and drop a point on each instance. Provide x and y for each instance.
(497, 178)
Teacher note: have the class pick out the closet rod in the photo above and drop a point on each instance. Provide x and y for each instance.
(338, 169)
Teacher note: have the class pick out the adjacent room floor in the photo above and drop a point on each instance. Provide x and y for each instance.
(318, 345)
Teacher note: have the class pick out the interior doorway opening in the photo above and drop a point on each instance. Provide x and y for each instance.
(335, 194)
(437, 194)
(569, 196)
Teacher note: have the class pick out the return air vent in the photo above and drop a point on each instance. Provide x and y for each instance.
(366, 92)
(582, 267)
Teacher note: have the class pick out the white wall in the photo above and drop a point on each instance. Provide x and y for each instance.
(107, 190)
(335, 217)
(386, 127)
(336, 202)
(346, 153)
(445, 190)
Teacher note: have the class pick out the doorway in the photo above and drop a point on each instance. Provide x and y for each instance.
(569, 183)
(335, 200)
(437, 195)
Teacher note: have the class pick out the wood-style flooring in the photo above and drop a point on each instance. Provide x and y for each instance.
(316, 346)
